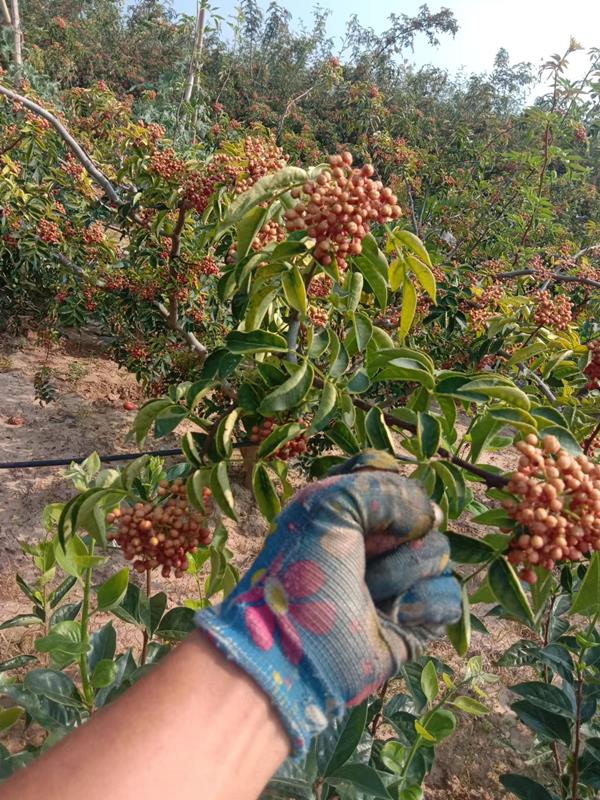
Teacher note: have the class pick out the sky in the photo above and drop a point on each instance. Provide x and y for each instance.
(530, 30)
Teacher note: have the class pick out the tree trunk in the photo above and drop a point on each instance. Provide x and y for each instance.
(16, 24)
(193, 70)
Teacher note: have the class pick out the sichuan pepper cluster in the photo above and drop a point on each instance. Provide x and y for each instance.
(556, 503)
(161, 535)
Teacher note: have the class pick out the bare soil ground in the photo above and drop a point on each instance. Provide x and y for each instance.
(88, 415)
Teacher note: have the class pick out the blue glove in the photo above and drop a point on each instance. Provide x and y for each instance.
(349, 586)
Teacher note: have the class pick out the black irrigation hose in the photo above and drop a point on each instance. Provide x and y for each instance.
(64, 462)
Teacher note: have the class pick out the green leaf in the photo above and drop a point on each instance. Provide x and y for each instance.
(363, 330)
(409, 307)
(459, 632)
(552, 726)
(354, 287)
(490, 388)
(8, 717)
(377, 431)
(290, 393)
(494, 516)
(360, 776)
(516, 418)
(467, 550)
(429, 682)
(103, 645)
(221, 489)
(294, 289)
(264, 491)
(341, 435)
(319, 343)
(61, 591)
(412, 243)
(54, 685)
(393, 756)
(247, 228)
(112, 591)
(429, 434)
(145, 417)
(339, 365)
(263, 190)
(546, 696)
(104, 673)
(441, 724)
(349, 738)
(21, 620)
(158, 603)
(508, 591)
(423, 732)
(406, 369)
(546, 415)
(566, 439)
(397, 273)
(326, 405)
(525, 788)
(168, 419)
(423, 274)
(587, 599)
(195, 485)
(258, 305)
(176, 624)
(470, 706)
(375, 279)
(242, 342)
(16, 663)
(278, 437)
(224, 434)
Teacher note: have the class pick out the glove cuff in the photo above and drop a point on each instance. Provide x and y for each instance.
(296, 690)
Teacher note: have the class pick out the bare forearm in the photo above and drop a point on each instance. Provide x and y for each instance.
(197, 726)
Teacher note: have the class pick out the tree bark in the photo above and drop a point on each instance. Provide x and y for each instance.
(6, 18)
(18, 34)
(193, 70)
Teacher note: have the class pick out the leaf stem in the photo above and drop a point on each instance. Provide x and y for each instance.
(88, 691)
(145, 631)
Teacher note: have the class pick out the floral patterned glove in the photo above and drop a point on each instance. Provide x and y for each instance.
(347, 588)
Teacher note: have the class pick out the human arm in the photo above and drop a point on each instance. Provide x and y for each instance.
(195, 727)
(348, 587)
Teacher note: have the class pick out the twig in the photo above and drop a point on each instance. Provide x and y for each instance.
(175, 325)
(411, 203)
(5, 13)
(577, 742)
(542, 386)
(558, 277)
(590, 440)
(18, 34)
(145, 631)
(490, 478)
(289, 107)
(96, 174)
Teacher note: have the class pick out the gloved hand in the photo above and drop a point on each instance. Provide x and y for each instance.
(347, 588)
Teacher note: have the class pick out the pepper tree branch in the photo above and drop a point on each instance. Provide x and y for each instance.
(490, 478)
(96, 174)
(558, 277)
(5, 13)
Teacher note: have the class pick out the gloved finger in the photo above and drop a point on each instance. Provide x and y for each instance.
(394, 509)
(393, 574)
(430, 602)
(367, 459)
